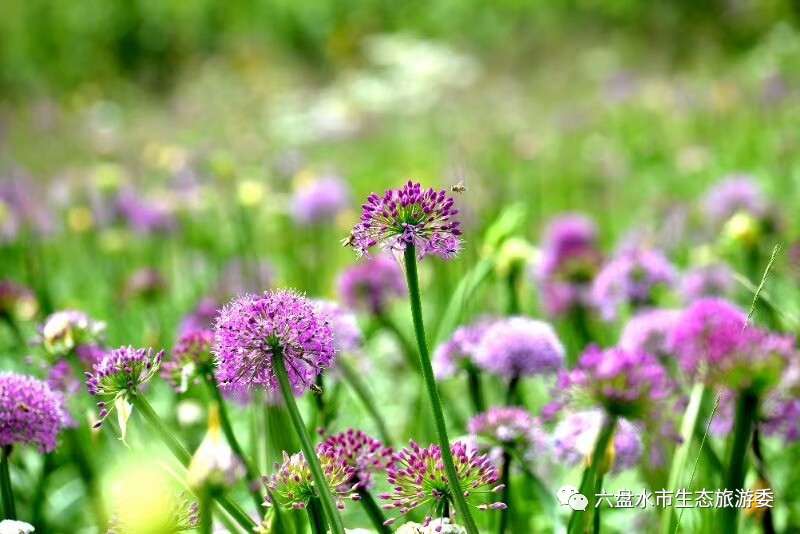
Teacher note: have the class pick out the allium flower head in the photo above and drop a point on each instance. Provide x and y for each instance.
(419, 480)
(201, 318)
(120, 373)
(347, 335)
(734, 194)
(509, 426)
(575, 437)
(179, 515)
(625, 383)
(649, 331)
(519, 346)
(17, 301)
(30, 412)
(252, 328)
(631, 279)
(190, 360)
(320, 200)
(440, 525)
(294, 484)
(365, 454)
(372, 285)
(408, 216)
(66, 330)
(570, 251)
(715, 280)
(460, 349)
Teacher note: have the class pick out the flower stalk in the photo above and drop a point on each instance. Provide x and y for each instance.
(746, 412)
(430, 382)
(9, 508)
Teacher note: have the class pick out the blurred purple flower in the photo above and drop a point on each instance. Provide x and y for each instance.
(649, 331)
(631, 279)
(30, 412)
(516, 347)
(143, 216)
(251, 328)
(408, 216)
(734, 193)
(146, 283)
(347, 336)
(460, 349)
(190, 360)
(17, 302)
(320, 200)
(372, 285)
(68, 330)
(509, 425)
(201, 318)
(575, 436)
(714, 280)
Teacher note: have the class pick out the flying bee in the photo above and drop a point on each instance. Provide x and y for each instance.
(316, 389)
(459, 187)
(349, 241)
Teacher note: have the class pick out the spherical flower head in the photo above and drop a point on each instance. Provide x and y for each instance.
(459, 351)
(407, 216)
(516, 347)
(372, 285)
(706, 333)
(17, 301)
(649, 331)
(575, 436)
(30, 412)
(294, 484)
(714, 280)
(347, 335)
(201, 318)
(120, 373)
(757, 364)
(190, 360)
(509, 426)
(631, 279)
(625, 383)
(419, 480)
(365, 454)
(64, 331)
(180, 515)
(734, 194)
(319, 201)
(251, 329)
(570, 252)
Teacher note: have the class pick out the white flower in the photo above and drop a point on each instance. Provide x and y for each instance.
(9, 526)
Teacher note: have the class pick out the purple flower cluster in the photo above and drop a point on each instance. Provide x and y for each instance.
(201, 318)
(460, 349)
(714, 280)
(734, 194)
(372, 285)
(120, 373)
(569, 262)
(649, 331)
(516, 347)
(631, 279)
(143, 216)
(409, 216)
(625, 383)
(366, 455)
(30, 412)
(252, 328)
(419, 480)
(509, 425)
(347, 336)
(190, 360)
(320, 200)
(294, 484)
(575, 436)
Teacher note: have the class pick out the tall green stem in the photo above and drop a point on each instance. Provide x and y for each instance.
(325, 496)
(5, 485)
(227, 429)
(373, 511)
(316, 517)
(430, 383)
(183, 456)
(746, 410)
(598, 488)
(475, 389)
(506, 495)
(590, 474)
(206, 521)
(512, 279)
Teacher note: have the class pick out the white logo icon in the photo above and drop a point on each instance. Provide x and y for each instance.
(569, 496)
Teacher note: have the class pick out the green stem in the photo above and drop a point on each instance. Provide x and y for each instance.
(5, 485)
(475, 389)
(746, 411)
(230, 436)
(506, 495)
(590, 474)
(39, 496)
(430, 382)
(183, 456)
(353, 379)
(511, 290)
(373, 511)
(598, 488)
(315, 517)
(206, 521)
(324, 491)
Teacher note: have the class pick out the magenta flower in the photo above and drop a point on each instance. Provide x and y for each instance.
(649, 331)
(190, 360)
(201, 318)
(509, 426)
(408, 216)
(347, 336)
(372, 285)
(516, 347)
(120, 374)
(419, 480)
(460, 349)
(735, 193)
(30, 412)
(252, 328)
(319, 201)
(366, 455)
(144, 216)
(631, 279)
(575, 436)
(715, 280)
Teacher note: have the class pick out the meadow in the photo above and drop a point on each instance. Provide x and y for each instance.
(264, 281)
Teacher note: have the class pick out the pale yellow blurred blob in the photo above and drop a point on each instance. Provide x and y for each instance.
(514, 253)
(303, 178)
(214, 464)
(250, 192)
(79, 219)
(742, 228)
(113, 240)
(608, 459)
(108, 176)
(168, 157)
